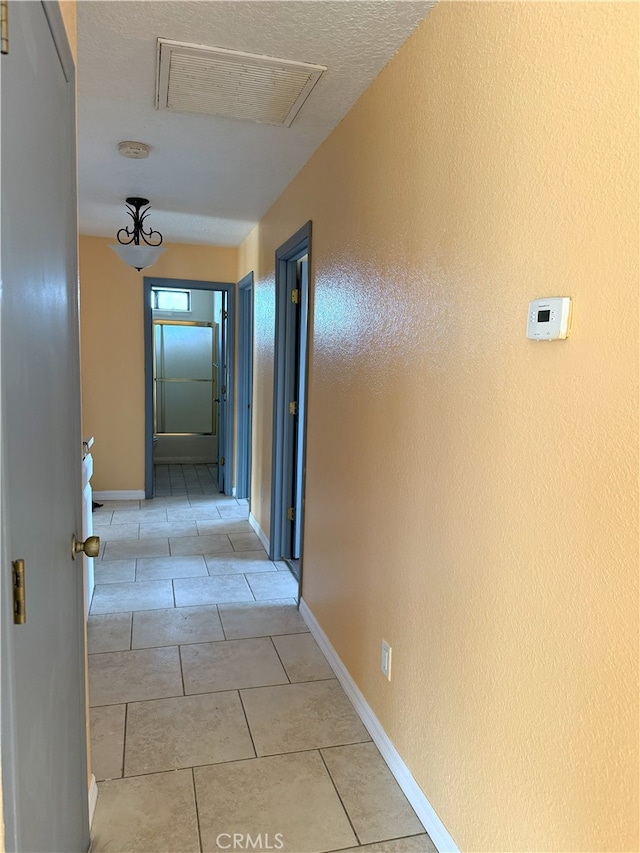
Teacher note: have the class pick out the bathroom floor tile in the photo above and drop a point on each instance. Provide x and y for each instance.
(134, 548)
(116, 532)
(240, 562)
(176, 626)
(167, 529)
(214, 544)
(114, 571)
(146, 813)
(219, 526)
(302, 658)
(107, 741)
(139, 516)
(301, 716)
(413, 844)
(216, 500)
(220, 589)
(374, 802)
(168, 734)
(261, 620)
(173, 501)
(118, 677)
(194, 513)
(109, 633)
(110, 506)
(288, 798)
(273, 585)
(233, 511)
(141, 595)
(207, 667)
(245, 542)
(155, 568)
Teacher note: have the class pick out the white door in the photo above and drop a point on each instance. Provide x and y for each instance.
(44, 772)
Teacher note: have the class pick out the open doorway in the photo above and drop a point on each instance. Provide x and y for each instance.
(290, 381)
(189, 340)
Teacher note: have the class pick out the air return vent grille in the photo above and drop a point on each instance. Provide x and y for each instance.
(213, 81)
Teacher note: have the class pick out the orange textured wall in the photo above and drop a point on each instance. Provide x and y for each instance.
(472, 496)
(69, 10)
(112, 349)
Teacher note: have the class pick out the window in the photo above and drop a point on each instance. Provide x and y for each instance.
(168, 299)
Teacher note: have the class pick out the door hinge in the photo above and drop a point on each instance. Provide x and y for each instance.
(4, 26)
(291, 514)
(221, 460)
(295, 296)
(223, 389)
(293, 408)
(225, 314)
(19, 605)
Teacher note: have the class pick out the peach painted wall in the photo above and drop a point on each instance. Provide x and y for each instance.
(472, 496)
(69, 11)
(112, 348)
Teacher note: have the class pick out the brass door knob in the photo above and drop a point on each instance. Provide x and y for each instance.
(91, 546)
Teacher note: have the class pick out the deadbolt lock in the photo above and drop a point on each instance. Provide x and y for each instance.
(91, 546)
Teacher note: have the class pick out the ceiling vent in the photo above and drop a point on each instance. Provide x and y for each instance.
(214, 81)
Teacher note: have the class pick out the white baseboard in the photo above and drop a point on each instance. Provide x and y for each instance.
(262, 536)
(93, 798)
(130, 495)
(426, 813)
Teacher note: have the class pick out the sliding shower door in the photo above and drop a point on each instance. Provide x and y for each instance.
(185, 392)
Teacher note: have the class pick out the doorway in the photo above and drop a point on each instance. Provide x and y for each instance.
(189, 376)
(185, 391)
(290, 386)
(245, 386)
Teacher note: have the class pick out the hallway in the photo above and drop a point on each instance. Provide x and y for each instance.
(216, 723)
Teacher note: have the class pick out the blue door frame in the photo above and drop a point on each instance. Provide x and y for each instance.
(245, 386)
(225, 449)
(290, 375)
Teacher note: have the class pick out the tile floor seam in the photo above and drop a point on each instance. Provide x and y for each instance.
(246, 719)
(181, 669)
(335, 787)
(189, 696)
(286, 671)
(195, 800)
(124, 738)
(217, 607)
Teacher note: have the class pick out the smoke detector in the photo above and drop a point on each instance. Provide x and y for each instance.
(133, 150)
(192, 78)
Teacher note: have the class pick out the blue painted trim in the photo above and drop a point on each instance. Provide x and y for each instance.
(148, 389)
(282, 472)
(245, 386)
(230, 289)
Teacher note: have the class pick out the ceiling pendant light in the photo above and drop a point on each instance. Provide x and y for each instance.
(138, 247)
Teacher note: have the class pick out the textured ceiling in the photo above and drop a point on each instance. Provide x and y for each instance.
(210, 179)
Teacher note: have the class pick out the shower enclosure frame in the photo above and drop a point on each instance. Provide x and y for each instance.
(226, 439)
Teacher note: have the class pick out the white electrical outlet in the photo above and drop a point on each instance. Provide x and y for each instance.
(385, 660)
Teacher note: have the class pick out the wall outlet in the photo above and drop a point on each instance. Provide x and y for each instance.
(385, 660)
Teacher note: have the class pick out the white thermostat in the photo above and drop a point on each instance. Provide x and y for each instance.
(549, 319)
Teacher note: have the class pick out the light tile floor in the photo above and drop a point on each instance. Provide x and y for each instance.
(216, 723)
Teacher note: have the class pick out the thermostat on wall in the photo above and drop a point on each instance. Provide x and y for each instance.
(549, 318)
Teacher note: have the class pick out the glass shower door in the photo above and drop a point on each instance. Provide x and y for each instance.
(185, 380)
